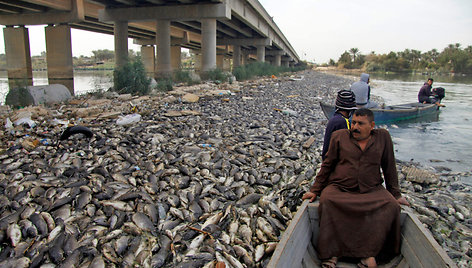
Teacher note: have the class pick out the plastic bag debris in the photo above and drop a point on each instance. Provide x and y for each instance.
(8, 123)
(25, 120)
(128, 119)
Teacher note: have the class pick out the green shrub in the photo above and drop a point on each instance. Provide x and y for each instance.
(19, 96)
(187, 77)
(216, 75)
(256, 69)
(164, 84)
(131, 78)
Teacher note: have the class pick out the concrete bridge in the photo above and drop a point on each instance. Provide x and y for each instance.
(220, 32)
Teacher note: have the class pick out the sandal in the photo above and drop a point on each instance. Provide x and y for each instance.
(363, 265)
(329, 263)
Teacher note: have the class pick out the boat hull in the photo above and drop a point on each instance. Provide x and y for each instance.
(395, 113)
(297, 246)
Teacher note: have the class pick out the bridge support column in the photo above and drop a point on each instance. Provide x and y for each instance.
(245, 57)
(121, 43)
(220, 59)
(148, 55)
(59, 56)
(277, 60)
(236, 56)
(285, 63)
(208, 44)
(17, 50)
(261, 53)
(164, 67)
(175, 57)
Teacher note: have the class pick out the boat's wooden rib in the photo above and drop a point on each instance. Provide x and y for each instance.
(297, 245)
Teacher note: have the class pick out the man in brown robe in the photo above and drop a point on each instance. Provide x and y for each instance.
(358, 216)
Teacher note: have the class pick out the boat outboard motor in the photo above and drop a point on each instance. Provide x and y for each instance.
(439, 92)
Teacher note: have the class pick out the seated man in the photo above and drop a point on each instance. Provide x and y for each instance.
(425, 95)
(358, 217)
(345, 104)
(361, 89)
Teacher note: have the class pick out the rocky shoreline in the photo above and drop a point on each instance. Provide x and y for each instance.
(205, 174)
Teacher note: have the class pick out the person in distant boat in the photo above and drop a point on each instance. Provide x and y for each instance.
(359, 218)
(344, 106)
(426, 95)
(361, 89)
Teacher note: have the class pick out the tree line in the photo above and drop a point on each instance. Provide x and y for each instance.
(452, 59)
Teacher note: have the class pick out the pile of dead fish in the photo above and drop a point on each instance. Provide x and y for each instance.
(442, 202)
(188, 184)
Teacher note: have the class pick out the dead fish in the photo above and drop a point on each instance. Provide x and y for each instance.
(265, 226)
(83, 199)
(234, 262)
(120, 205)
(14, 234)
(143, 222)
(249, 199)
(72, 260)
(159, 259)
(97, 262)
(109, 253)
(121, 244)
(40, 223)
(259, 252)
(242, 253)
(245, 233)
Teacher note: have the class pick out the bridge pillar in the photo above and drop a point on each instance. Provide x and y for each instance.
(285, 63)
(175, 57)
(198, 61)
(121, 43)
(261, 53)
(245, 58)
(220, 59)
(17, 50)
(208, 44)
(148, 55)
(59, 56)
(277, 60)
(236, 56)
(164, 67)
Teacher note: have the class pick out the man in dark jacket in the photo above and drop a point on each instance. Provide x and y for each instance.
(425, 95)
(345, 104)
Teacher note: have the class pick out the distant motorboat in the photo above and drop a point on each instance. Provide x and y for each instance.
(394, 113)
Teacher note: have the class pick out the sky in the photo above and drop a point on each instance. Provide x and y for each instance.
(320, 30)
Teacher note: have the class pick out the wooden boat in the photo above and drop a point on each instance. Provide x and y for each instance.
(394, 113)
(296, 247)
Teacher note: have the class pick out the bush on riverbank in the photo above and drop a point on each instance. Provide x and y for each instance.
(216, 75)
(255, 69)
(187, 77)
(131, 78)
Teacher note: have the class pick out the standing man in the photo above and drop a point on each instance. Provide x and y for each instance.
(425, 95)
(345, 105)
(359, 218)
(361, 89)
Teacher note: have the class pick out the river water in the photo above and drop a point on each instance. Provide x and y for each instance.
(442, 143)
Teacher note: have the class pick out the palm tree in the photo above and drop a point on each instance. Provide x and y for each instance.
(354, 52)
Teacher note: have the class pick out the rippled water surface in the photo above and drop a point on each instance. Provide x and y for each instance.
(444, 142)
